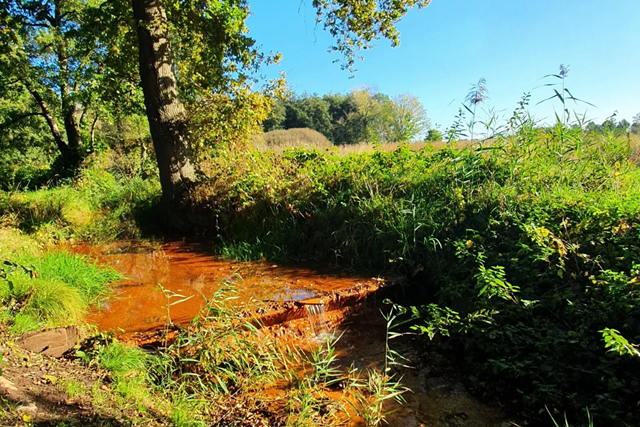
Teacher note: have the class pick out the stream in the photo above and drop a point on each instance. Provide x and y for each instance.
(313, 299)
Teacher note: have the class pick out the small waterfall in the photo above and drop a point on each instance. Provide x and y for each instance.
(317, 319)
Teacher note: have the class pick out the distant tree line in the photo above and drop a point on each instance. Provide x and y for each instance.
(357, 116)
(613, 125)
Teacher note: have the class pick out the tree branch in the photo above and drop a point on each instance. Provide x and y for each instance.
(17, 119)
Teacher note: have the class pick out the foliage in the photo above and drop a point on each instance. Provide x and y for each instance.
(356, 24)
(361, 115)
(105, 201)
(541, 224)
(434, 135)
(46, 289)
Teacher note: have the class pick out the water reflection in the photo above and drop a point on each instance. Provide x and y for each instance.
(137, 304)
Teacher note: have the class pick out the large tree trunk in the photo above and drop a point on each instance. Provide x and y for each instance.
(165, 111)
(72, 128)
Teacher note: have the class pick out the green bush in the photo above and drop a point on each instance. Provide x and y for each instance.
(530, 245)
(97, 206)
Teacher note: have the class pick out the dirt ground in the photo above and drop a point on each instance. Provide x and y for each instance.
(37, 390)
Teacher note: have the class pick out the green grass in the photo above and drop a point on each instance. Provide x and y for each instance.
(99, 205)
(46, 289)
(530, 244)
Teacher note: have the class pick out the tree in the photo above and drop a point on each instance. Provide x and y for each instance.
(44, 54)
(195, 65)
(434, 135)
(355, 24)
(165, 110)
(409, 119)
(635, 125)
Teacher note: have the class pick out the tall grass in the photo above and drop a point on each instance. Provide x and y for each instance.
(49, 289)
(528, 242)
(279, 140)
(217, 370)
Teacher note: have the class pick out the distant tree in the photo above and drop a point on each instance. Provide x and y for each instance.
(635, 125)
(434, 135)
(361, 115)
(317, 109)
(277, 116)
(409, 118)
(347, 128)
(296, 116)
(611, 125)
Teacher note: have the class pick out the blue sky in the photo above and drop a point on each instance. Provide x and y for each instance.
(451, 44)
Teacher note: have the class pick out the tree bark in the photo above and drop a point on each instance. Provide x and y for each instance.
(165, 111)
(92, 135)
(72, 128)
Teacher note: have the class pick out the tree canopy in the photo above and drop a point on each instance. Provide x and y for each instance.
(361, 115)
(67, 65)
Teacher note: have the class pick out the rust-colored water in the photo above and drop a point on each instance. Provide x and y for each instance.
(138, 303)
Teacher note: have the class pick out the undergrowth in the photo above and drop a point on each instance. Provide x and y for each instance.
(226, 369)
(529, 246)
(100, 204)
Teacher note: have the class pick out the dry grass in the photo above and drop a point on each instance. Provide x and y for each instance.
(279, 140)
(634, 145)
(368, 147)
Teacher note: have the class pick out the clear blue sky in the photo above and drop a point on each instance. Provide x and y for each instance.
(452, 43)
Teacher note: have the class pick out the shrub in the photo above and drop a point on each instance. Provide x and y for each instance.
(541, 226)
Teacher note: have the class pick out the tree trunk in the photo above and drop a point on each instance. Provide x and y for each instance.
(165, 111)
(72, 128)
(92, 134)
(69, 108)
(57, 136)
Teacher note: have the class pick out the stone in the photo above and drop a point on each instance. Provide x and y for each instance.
(53, 342)
(9, 389)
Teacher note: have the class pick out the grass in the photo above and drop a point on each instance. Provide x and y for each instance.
(279, 140)
(528, 243)
(541, 225)
(46, 289)
(99, 205)
(216, 372)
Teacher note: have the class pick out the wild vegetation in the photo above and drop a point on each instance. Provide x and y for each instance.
(540, 224)
(521, 248)
(362, 115)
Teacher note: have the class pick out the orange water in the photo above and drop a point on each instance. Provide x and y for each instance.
(185, 269)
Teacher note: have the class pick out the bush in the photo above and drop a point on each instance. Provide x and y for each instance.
(97, 206)
(542, 227)
(434, 135)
